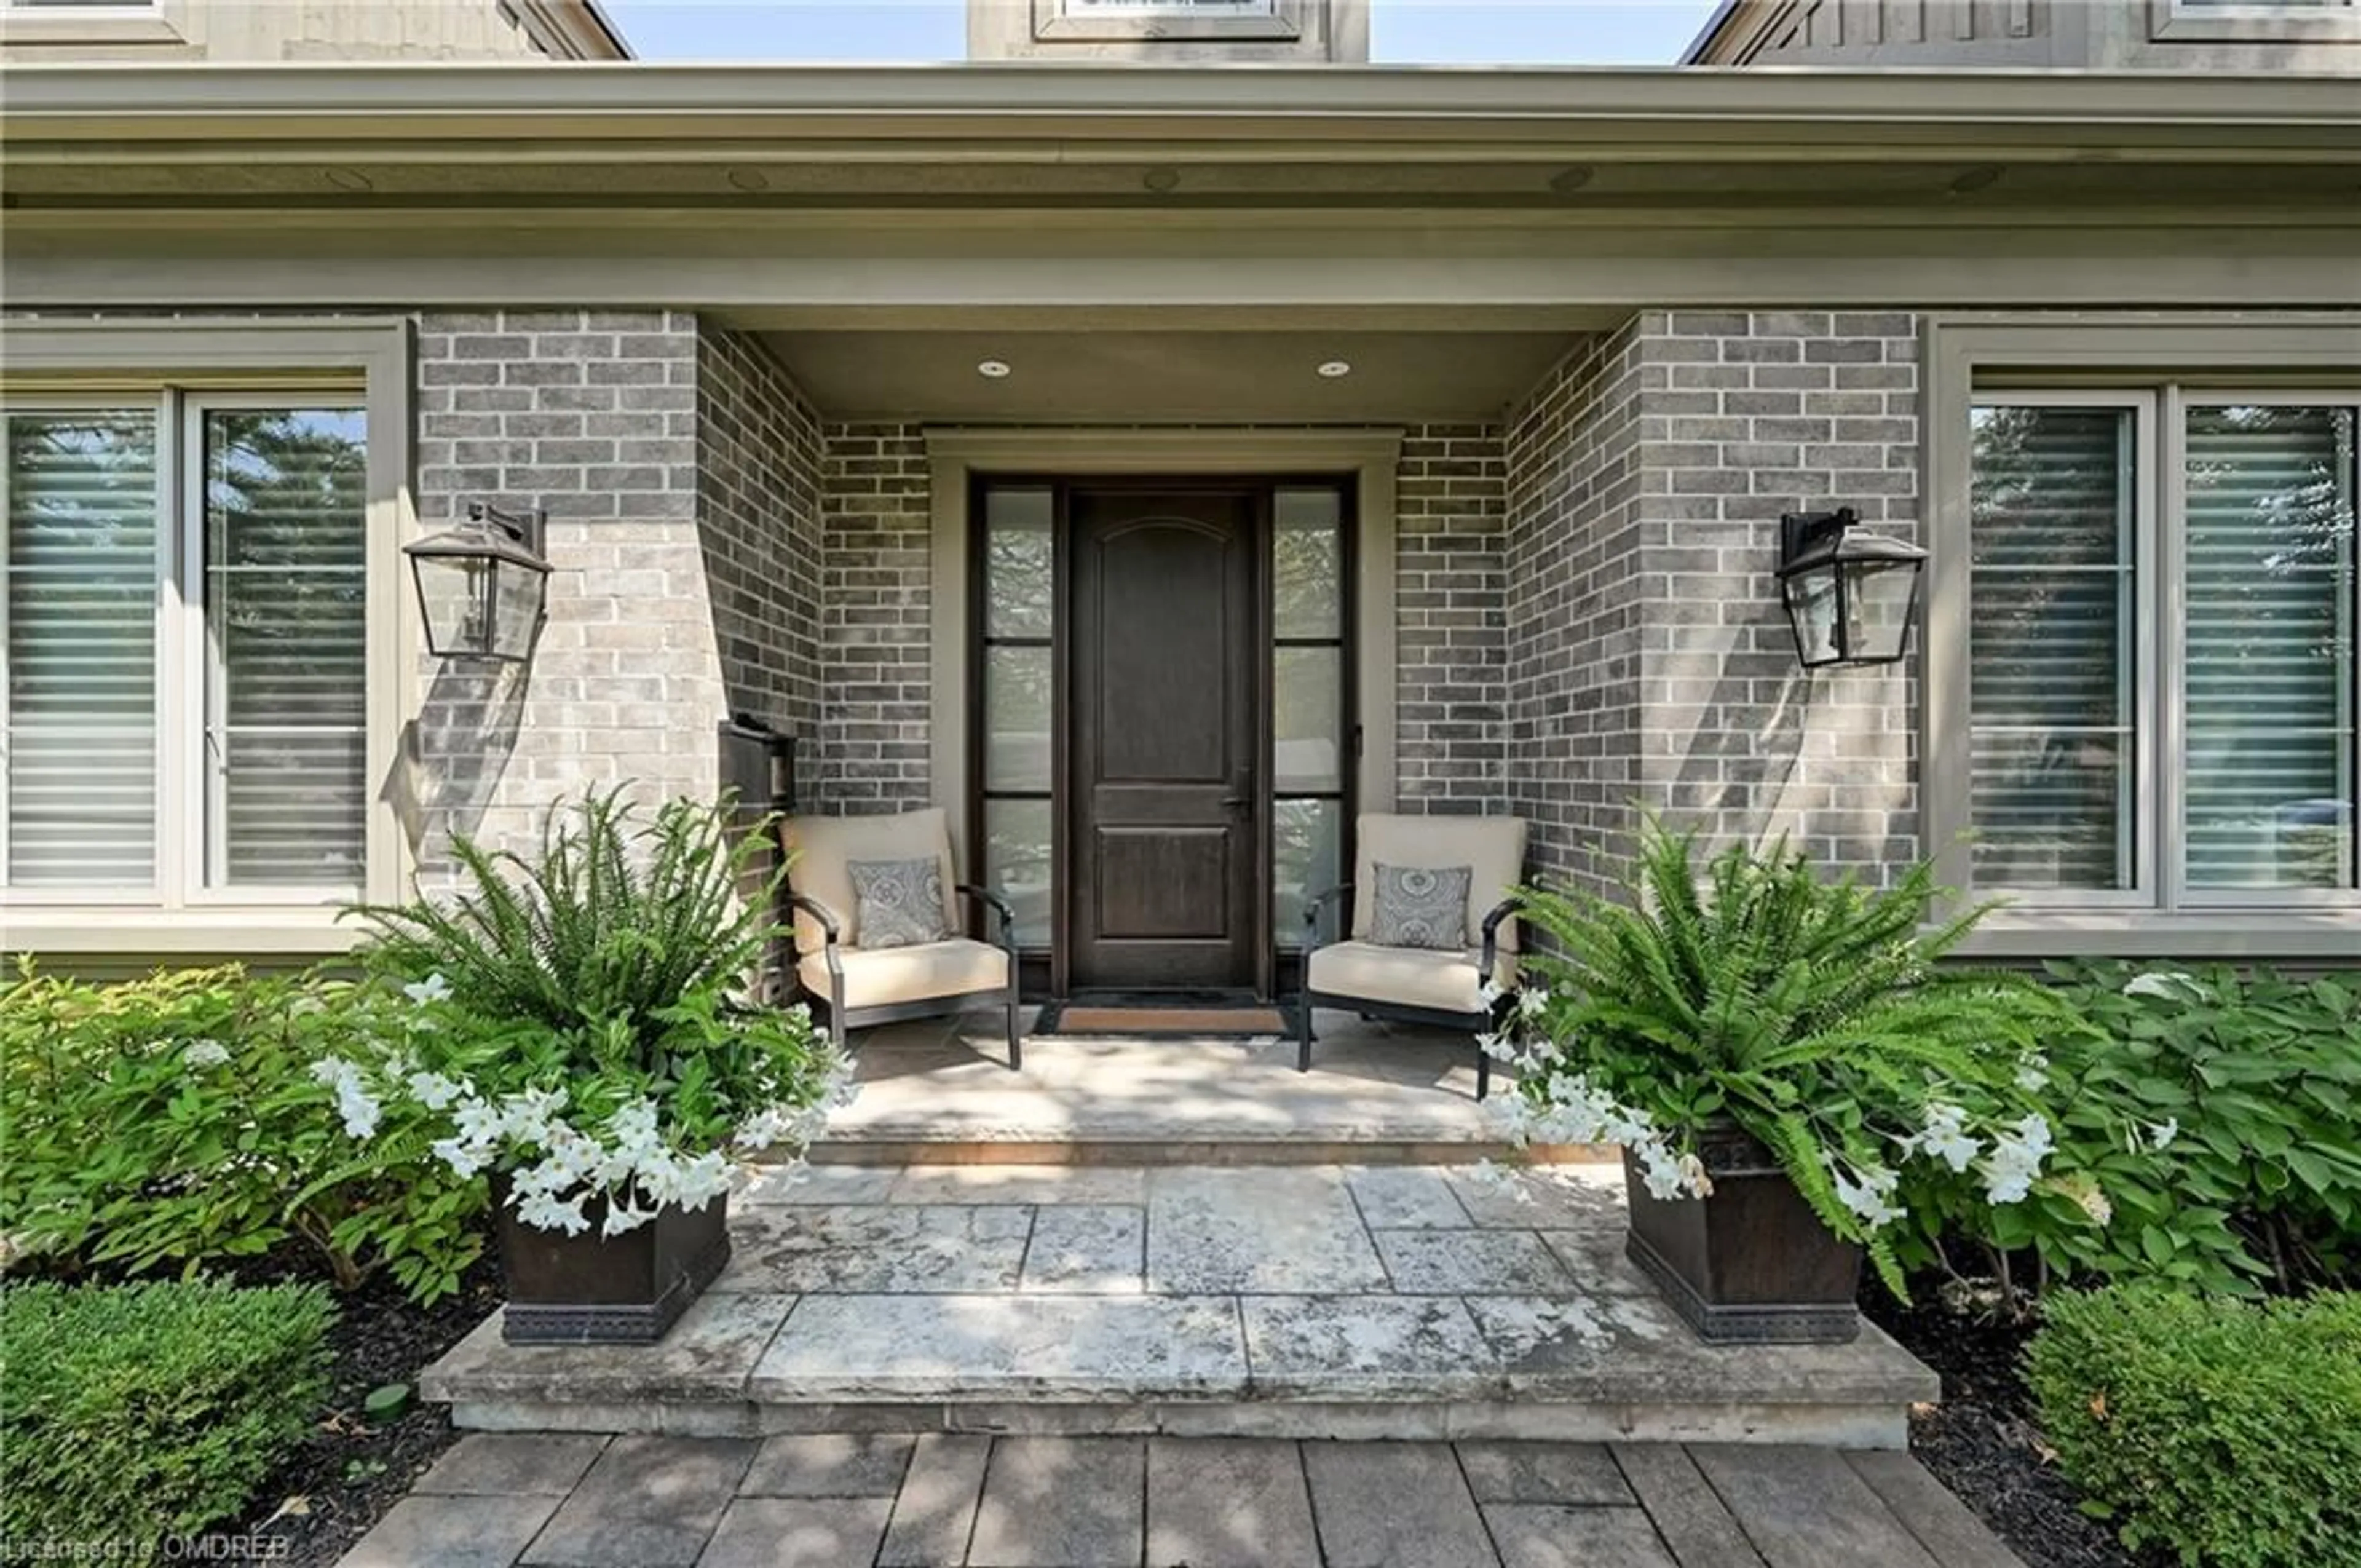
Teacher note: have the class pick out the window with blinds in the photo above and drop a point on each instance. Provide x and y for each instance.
(2267, 643)
(2052, 630)
(2223, 771)
(82, 566)
(185, 646)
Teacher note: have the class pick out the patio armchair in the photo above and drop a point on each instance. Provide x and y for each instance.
(1442, 986)
(930, 969)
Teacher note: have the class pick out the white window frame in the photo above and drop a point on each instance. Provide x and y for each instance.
(2175, 400)
(1965, 355)
(118, 22)
(2147, 850)
(2260, 22)
(2159, 646)
(185, 365)
(201, 842)
(106, 894)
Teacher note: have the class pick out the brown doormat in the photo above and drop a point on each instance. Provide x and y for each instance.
(1152, 1022)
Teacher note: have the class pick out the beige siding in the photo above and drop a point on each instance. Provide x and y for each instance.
(248, 30)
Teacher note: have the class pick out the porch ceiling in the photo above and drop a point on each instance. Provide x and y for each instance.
(1151, 376)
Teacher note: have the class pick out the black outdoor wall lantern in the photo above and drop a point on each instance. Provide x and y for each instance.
(1849, 595)
(484, 585)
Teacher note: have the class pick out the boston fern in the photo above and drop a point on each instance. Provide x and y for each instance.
(579, 1024)
(612, 918)
(1813, 1013)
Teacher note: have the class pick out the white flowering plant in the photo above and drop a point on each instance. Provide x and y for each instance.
(187, 1119)
(581, 1129)
(1812, 1013)
(584, 1026)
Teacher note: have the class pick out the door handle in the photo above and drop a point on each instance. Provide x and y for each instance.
(1237, 802)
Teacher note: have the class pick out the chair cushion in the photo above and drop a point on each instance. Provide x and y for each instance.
(1407, 977)
(887, 975)
(1420, 907)
(899, 903)
(1493, 848)
(824, 849)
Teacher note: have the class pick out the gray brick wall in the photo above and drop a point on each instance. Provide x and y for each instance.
(680, 468)
(593, 416)
(1765, 412)
(1572, 614)
(876, 652)
(1451, 637)
(1651, 663)
(759, 459)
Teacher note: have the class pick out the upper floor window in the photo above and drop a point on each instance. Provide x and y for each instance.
(2255, 21)
(182, 657)
(2163, 684)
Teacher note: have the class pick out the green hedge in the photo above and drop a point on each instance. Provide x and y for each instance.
(140, 1411)
(2226, 1433)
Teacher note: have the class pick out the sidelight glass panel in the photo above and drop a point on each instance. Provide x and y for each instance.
(1307, 721)
(1308, 564)
(286, 624)
(1016, 863)
(2270, 681)
(80, 562)
(1305, 839)
(1019, 579)
(1017, 718)
(2053, 631)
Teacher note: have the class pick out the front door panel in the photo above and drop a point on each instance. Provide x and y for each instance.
(1165, 778)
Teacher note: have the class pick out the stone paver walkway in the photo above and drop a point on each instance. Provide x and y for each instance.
(943, 1500)
(1293, 1302)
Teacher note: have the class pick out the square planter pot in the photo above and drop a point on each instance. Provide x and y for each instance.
(595, 1289)
(1750, 1265)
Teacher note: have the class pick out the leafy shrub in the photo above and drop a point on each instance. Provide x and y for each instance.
(1812, 1013)
(583, 1026)
(2225, 1433)
(180, 1121)
(140, 1411)
(2244, 1093)
(2213, 1121)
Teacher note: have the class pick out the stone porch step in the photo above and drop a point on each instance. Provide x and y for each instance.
(1299, 1302)
(941, 1091)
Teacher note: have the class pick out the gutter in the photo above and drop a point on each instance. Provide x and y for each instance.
(501, 101)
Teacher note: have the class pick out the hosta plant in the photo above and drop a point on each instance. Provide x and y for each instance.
(1812, 1013)
(582, 1021)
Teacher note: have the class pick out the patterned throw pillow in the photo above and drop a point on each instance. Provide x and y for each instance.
(1420, 907)
(898, 904)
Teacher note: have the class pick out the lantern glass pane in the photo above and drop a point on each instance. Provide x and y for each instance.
(1877, 610)
(455, 592)
(1812, 611)
(516, 608)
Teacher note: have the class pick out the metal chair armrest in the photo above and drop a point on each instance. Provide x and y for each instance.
(998, 905)
(820, 912)
(1485, 961)
(1312, 908)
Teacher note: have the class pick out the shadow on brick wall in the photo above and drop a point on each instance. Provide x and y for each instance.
(454, 757)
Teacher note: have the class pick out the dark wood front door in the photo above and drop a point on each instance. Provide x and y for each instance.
(1164, 649)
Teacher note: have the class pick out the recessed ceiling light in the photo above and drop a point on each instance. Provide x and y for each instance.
(350, 180)
(1335, 370)
(993, 370)
(1982, 177)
